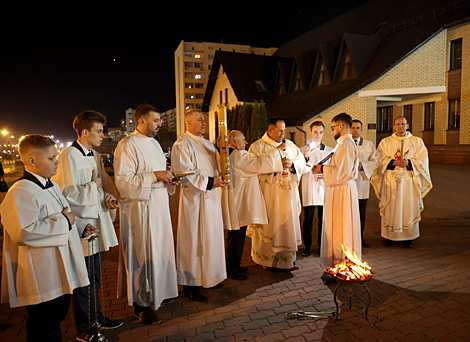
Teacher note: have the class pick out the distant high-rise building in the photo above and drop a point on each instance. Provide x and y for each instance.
(130, 122)
(193, 63)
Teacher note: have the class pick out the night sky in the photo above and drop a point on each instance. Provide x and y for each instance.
(55, 64)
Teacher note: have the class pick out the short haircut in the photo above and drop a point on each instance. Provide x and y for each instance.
(345, 118)
(404, 117)
(358, 121)
(34, 141)
(317, 123)
(86, 120)
(143, 110)
(274, 121)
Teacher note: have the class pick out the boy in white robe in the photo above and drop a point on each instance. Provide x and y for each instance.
(368, 161)
(341, 222)
(43, 260)
(246, 204)
(400, 183)
(147, 270)
(275, 244)
(89, 190)
(313, 186)
(200, 240)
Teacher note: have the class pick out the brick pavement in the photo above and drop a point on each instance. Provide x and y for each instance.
(419, 294)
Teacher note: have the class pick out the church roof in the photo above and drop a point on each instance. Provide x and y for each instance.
(376, 36)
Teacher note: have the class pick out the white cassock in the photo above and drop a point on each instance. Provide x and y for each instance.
(341, 221)
(200, 243)
(313, 185)
(275, 244)
(147, 267)
(243, 202)
(85, 199)
(369, 158)
(401, 192)
(42, 258)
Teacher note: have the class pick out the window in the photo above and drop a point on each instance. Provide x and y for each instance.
(282, 87)
(298, 83)
(260, 85)
(199, 65)
(199, 85)
(429, 111)
(454, 114)
(408, 114)
(189, 85)
(189, 75)
(323, 77)
(385, 119)
(198, 76)
(456, 54)
(348, 70)
(188, 64)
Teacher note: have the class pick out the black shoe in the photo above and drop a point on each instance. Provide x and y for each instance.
(242, 269)
(108, 323)
(237, 276)
(408, 244)
(386, 242)
(216, 287)
(365, 244)
(168, 301)
(148, 316)
(306, 252)
(193, 293)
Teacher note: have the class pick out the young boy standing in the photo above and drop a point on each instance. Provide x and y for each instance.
(89, 190)
(42, 257)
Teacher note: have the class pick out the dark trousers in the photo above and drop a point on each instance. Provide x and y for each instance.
(235, 245)
(80, 305)
(43, 322)
(309, 212)
(362, 215)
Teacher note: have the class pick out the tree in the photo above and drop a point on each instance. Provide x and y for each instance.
(259, 121)
(244, 123)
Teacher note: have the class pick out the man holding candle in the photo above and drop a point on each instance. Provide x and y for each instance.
(313, 186)
(200, 241)
(401, 181)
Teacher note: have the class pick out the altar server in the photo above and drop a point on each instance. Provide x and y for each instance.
(312, 185)
(400, 183)
(43, 261)
(89, 190)
(200, 240)
(341, 222)
(274, 244)
(147, 270)
(248, 205)
(368, 161)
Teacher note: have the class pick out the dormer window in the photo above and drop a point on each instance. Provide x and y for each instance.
(298, 85)
(348, 70)
(323, 77)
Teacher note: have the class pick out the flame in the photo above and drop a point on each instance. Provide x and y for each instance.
(351, 269)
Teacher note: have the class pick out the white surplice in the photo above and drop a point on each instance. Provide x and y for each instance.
(200, 242)
(275, 244)
(369, 158)
(341, 221)
(42, 258)
(244, 201)
(85, 199)
(313, 185)
(147, 267)
(401, 192)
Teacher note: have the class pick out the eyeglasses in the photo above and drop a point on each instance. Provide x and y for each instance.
(333, 127)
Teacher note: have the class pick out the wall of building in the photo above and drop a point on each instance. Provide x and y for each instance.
(415, 77)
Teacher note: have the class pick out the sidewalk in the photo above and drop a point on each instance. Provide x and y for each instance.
(419, 294)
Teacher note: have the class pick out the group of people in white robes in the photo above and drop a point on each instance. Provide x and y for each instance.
(261, 199)
(340, 187)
